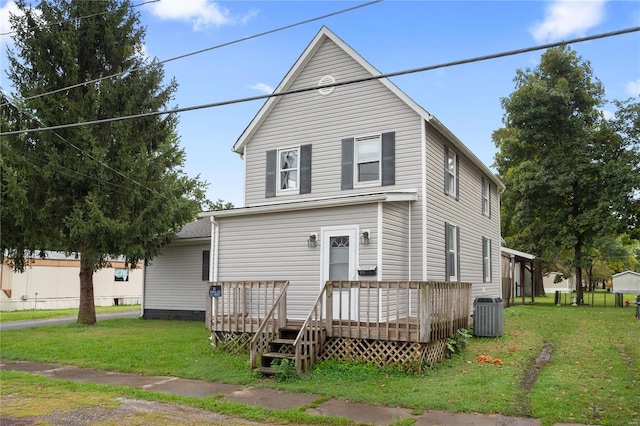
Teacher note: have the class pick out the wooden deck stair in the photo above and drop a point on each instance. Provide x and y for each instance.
(282, 347)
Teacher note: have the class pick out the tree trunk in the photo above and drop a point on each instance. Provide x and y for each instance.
(87, 309)
(578, 260)
(537, 277)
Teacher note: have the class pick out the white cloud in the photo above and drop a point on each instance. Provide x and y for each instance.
(262, 88)
(568, 18)
(200, 13)
(608, 115)
(9, 7)
(633, 88)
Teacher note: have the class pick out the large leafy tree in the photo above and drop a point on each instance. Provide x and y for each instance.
(101, 191)
(570, 176)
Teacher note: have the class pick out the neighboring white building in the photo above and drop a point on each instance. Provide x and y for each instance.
(565, 285)
(54, 283)
(626, 282)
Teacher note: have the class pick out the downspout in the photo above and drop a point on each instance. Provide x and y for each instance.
(213, 258)
(380, 242)
(500, 191)
(423, 146)
(409, 238)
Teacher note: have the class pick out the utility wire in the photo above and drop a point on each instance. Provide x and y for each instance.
(102, 163)
(38, 162)
(197, 52)
(336, 84)
(168, 60)
(80, 17)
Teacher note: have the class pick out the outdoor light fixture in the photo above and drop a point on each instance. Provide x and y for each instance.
(364, 238)
(311, 242)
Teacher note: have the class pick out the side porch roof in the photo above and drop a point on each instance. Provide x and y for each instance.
(373, 197)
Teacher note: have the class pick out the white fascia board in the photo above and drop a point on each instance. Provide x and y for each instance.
(404, 195)
(517, 253)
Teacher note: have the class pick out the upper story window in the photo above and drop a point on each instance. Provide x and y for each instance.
(288, 169)
(451, 172)
(367, 159)
(486, 197)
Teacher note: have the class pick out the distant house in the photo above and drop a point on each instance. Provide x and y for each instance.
(626, 282)
(53, 283)
(359, 173)
(554, 281)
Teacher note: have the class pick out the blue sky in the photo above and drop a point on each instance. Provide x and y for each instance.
(392, 36)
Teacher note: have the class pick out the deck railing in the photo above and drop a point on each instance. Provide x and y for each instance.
(311, 337)
(245, 306)
(413, 311)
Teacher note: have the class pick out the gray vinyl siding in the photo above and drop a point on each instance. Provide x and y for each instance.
(323, 121)
(173, 280)
(465, 213)
(274, 247)
(395, 250)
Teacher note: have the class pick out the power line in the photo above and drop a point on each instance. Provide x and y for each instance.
(197, 52)
(64, 170)
(102, 163)
(48, 24)
(336, 84)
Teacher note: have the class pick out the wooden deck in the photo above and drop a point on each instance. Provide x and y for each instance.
(389, 311)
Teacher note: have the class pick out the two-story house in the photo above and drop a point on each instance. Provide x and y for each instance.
(354, 182)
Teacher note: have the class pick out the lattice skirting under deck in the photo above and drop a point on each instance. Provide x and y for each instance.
(234, 343)
(412, 356)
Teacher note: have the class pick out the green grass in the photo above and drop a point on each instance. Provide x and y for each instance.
(54, 313)
(592, 376)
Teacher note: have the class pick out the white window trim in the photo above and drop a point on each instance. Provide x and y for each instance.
(486, 259)
(356, 182)
(451, 177)
(486, 197)
(453, 248)
(279, 170)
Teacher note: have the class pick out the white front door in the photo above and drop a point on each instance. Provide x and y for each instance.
(339, 255)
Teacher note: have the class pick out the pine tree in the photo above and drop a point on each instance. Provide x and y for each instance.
(101, 191)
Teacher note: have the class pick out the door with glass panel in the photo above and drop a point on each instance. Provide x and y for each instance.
(339, 254)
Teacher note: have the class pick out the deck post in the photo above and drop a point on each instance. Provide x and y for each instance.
(328, 288)
(282, 312)
(424, 316)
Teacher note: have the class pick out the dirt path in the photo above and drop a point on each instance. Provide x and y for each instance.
(522, 400)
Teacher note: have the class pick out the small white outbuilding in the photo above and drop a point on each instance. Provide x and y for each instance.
(626, 282)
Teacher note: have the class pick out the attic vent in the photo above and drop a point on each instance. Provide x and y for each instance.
(327, 79)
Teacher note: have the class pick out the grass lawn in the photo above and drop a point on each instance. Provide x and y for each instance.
(592, 376)
(33, 314)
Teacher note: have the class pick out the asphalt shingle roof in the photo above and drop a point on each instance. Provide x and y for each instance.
(200, 228)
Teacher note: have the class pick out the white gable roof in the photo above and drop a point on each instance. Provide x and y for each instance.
(304, 58)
